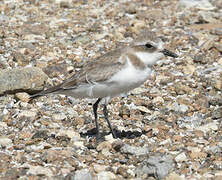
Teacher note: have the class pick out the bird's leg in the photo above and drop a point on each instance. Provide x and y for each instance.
(105, 111)
(95, 107)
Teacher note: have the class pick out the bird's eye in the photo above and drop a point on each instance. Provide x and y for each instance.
(149, 46)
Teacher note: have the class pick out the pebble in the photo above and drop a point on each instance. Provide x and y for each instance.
(143, 109)
(99, 168)
(83, 174)
(181, 157)
(28, 113)
(59, 116)
(104, 145)
(106, 175)
(158, 100)
(4, 141)
(174, 176)
(208, 127)
(217, 114)
(65, 3)
(138, 90)
(182, 108)
(138, 151)
(199, 4)
(39, 170)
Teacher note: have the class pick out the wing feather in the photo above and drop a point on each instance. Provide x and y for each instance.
(96, 71)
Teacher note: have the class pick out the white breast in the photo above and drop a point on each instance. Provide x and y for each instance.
(130, 77)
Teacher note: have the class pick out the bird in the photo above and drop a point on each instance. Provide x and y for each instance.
(113, 74)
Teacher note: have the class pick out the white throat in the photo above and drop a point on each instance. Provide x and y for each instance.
(149, 58)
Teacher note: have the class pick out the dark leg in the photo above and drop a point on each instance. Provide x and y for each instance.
(105, 111)
(95, 107)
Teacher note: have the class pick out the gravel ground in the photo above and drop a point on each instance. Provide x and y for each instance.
(170, 128)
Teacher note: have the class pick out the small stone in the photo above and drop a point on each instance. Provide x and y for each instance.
(200, 58)
(39, 170)
(138, 90)
(40, 134)
(104, 145)
(79, 144)
(138, 151)
(199, 133)
(198, 155)
(83, 174)
(55, 70)
(12, 173)
(23, 96)
(189, 69)
(99, 168)
(158, 100)
(143, 109)
(137, 25)
(109, 138)
(4, 141)
(200, 4)
(20, 58)
(215, 100)
(59, 116)
(106, 175)
(124, 111)
(130, 8)
(117, 145)
(82, 39)
(28, 113)
(214, 149)
(3, 125)
(217, 114)
(208, 127)
(174, 176)
(207, 44)
(181, 157)
(70, 133)
(64, 3)
(163, 79)
(182, 108)
(218, 46)
(122, 171)
(182, 89)
(217, 84)
(166, 141)
(177, 138)
(217, 31)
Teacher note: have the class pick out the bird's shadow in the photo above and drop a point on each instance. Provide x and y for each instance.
(119, 134)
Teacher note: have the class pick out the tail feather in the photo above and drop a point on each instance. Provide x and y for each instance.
(45, 92)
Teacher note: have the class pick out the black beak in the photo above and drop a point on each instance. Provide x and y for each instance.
(169, 53)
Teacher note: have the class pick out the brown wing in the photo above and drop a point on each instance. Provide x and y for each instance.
(98, 70)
